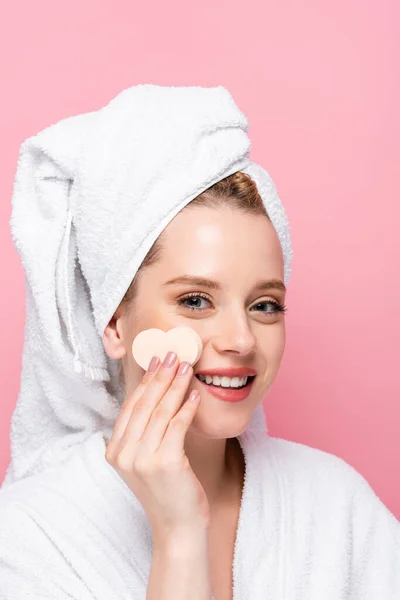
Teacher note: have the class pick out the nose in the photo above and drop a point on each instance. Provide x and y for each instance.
(233, 334)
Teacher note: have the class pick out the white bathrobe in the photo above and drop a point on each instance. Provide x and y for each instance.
(310, 528)
(91, 195)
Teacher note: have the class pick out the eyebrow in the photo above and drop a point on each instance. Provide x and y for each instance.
(276, 284)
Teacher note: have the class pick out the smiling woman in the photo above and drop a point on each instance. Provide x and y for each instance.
(217, 267)
(232, 295)
(204, 242)
(164, 484)
(203, 271)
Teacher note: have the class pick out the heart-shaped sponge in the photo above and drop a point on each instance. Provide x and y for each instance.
(184, 341)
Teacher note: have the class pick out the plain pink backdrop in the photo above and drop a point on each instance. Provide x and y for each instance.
(319, 84)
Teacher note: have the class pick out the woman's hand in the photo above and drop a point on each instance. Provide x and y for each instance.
(147, 450)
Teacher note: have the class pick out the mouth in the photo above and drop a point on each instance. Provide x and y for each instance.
(228, 389)
(233, 383)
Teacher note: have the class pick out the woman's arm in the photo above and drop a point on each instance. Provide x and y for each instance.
(180, 567)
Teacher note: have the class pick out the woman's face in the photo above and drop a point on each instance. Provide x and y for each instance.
(238, 323)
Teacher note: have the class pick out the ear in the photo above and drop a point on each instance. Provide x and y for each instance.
(112, 339)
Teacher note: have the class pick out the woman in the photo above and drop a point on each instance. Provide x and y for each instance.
(224, 237)
(156, 495)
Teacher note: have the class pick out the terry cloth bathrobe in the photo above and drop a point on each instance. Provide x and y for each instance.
(91, 195)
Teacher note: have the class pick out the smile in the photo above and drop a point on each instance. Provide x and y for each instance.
(228, 389)
(225, 382)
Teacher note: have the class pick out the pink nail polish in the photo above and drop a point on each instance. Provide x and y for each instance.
(155, 361)
(183, 368)
(169, 359)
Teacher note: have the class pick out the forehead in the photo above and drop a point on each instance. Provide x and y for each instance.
(209, 240)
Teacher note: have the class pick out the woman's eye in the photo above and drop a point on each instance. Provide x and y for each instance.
(277, 307)
(193, 302)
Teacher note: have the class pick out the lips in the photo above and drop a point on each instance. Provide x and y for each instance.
(228, 394)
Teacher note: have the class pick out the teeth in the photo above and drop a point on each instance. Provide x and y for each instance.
(226, 382)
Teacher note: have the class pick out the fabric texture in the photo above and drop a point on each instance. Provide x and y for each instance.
(310, 527)
(91, 195)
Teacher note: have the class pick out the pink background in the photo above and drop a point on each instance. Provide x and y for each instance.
(319, 83)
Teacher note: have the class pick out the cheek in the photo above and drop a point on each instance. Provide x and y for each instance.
(141, 318)
(151, 312)
(281, 341)
(272, 348)
(162, 316)
(273, 345)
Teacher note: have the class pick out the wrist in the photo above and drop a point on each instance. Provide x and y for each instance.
(187, 542)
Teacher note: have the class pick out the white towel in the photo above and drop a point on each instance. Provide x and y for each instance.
(91, 195)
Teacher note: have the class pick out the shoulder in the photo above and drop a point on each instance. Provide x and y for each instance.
(22, 505)
(18, 528)
(321, 476)
(301, 461)
(37, 503)
(31, 564)
(332, 512)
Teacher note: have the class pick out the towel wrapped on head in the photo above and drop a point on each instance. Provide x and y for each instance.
(91, 195)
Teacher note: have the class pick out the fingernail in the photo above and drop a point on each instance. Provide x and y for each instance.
(194, 395)
(169, 359)
(184, 368)
(155, 361)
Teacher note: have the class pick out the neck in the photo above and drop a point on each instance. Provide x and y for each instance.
(217, 463)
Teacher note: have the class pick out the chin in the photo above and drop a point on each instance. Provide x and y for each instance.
(221, 422)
